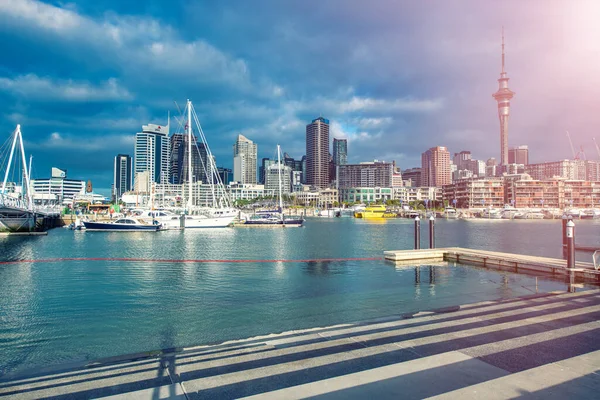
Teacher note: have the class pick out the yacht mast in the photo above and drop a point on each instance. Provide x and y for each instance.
(279, 169)
(189, 126)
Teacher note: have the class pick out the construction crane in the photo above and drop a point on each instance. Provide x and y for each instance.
(597, 148)
(572, 148)
(580, 154)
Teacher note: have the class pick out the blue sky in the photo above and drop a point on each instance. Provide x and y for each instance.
(394, 77)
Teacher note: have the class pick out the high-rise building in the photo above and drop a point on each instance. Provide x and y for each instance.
(435, 167)
(152, 153)
(175, 142)
(244, 160)
(340, 151)
(366, 174)
(265, 164)
(317, 153)
(272, 175)
(461, 160)
(226, 175)
(518, 155)
(503, 96)
(199, 162)
(413, 175)
(123, 176)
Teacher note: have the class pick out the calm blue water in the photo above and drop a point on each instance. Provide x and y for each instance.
(63, 311)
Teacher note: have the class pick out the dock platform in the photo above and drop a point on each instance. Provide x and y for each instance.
(539, 346)
(491, 259)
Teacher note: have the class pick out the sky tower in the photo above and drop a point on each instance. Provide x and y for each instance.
(503, 96)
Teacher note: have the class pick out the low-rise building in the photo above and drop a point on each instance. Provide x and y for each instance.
(408, 195)
(57, 188)
(475, 192)
(366, 194)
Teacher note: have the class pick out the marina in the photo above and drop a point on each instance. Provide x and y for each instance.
(65, 296)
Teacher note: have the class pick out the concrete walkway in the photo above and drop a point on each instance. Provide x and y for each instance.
(545, 346)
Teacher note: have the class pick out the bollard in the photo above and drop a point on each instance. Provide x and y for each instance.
(417, 233)
(431, 232)
(182, 221)
(564, 237)
(570, 244)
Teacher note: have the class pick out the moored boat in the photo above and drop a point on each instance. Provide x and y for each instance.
(122, 225)
(374, 211)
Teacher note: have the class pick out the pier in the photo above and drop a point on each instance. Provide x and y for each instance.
(542, 345)
(584, 271)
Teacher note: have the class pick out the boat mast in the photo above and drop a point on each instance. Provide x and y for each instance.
(189, 126)
(279, 169)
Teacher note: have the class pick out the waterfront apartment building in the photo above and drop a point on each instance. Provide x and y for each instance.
(272, 178)
(435, 167)
(566, 169)
(57, 188)
(518, 155)
(522, 191)
(475, 193)
(412, 177)
(366, 174)
(407, 195)
(317, 153)
(244, 160)
(122, 175)
(325, 198)
(239, 191)
(365, 194)
(152, 153)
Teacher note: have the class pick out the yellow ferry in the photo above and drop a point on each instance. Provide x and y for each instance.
(374, 211)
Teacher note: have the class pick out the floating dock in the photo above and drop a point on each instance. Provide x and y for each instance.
(491, 259)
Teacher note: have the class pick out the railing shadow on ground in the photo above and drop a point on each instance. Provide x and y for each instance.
(443, 340)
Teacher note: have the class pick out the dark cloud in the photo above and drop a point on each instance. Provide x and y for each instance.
(394, 77)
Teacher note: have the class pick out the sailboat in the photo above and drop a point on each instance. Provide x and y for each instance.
(275, 218)
(221, 214)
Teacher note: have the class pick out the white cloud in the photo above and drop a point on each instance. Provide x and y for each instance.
(57, 140)
(32, 86)
(133, 44)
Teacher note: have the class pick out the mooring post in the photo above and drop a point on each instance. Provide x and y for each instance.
(417, 233)
(431, 232)
(564, 236)
(182, 221)
(570, 244)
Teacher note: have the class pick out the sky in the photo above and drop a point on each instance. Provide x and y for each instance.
(394, 77)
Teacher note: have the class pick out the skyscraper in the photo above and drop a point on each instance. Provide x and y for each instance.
(317, 153)
(503, 96)
(518, 155)
(175, 142)
(123, 177)
(340, 151)
(244, 160)
(435, 167)
(152, 153)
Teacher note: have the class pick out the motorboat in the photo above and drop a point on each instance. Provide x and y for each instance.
(122, 225)
(168, 219)
(374, 211)
(450, 213)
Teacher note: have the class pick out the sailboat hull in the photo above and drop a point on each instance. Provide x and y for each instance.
(192, 222)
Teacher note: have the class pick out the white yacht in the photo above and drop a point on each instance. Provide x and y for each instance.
(167, 219)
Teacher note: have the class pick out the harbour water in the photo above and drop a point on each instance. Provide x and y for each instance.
(70, 309)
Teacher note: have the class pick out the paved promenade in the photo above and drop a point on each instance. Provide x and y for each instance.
(545, 347)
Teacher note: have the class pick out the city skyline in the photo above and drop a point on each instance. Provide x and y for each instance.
(394, 78)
